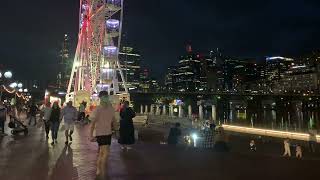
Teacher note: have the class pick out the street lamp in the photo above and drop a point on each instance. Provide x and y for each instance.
(13, 85)
(8, 74)
(19, 85)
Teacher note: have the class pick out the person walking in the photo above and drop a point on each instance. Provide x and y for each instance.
(82, 109)
(33, 113)
(126, 126)
(69, 113)
(46, 113)
(3, 117)
(287, 151)
(55, 122)
(102, 122)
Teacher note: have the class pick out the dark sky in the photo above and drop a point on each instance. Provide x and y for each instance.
(31, 31)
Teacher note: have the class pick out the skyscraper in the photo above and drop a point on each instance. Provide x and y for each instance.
(65, 63)
(130, 63)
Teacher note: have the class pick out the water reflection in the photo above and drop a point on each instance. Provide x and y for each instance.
(271, 119)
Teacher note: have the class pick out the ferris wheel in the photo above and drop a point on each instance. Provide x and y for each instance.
(96, 64)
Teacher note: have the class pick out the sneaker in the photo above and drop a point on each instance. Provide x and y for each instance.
(123, 147)
(128, 148)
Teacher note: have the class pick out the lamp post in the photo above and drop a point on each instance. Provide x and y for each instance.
(6, 75)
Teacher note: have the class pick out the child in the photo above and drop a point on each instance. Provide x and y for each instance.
(298, 151)
(253, 147)
(287, 151)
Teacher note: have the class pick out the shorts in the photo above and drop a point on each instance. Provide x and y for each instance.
(104, 140)
(69, 126)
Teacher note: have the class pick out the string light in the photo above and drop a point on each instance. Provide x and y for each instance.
(8, 91)
(14, 91)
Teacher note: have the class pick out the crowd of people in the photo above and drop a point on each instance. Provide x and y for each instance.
(102, 127)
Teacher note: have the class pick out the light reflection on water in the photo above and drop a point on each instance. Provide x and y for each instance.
(271, 119)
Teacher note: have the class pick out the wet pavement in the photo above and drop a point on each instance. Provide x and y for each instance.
(33, 158)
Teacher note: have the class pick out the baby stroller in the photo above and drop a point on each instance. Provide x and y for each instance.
(17, 126)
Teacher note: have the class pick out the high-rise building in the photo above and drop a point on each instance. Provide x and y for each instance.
(130, 63)
(170, 78)
(65, 63)
(276, 67)
(188, 77)
(195, 72)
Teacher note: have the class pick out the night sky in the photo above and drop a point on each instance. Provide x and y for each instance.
(31, 31)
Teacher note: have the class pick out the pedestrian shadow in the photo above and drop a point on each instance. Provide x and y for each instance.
(41, 168)
(64, 168)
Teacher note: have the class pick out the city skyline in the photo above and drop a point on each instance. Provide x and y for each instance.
(240, 29)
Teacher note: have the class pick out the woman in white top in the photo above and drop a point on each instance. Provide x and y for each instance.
(102, 118)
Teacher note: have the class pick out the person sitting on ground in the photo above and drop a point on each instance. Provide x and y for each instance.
(253, 147)
(298, 151)
(220, 144)
(208, 135)
(174, 135)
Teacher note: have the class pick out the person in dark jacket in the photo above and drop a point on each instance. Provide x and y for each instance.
(126, 126)
(174, 135)
(33, 113)
(55, 121)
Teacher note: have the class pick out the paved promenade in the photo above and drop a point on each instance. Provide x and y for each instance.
(33, 158)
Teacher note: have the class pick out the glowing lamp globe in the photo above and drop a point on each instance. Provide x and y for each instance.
(20, 85)
(0, 75)
(13, 85)
(8, 74)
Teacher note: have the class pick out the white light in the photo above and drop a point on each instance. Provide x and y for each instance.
(8, 74)
(25, 90)
(0, 75)
(20, 85)
(194, 136)
(20, 90)
(270, 133)
(13, 85)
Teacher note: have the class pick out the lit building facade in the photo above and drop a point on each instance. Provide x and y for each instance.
(130, 65)
(65, 64)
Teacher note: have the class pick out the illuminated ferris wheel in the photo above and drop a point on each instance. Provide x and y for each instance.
(96, 64)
